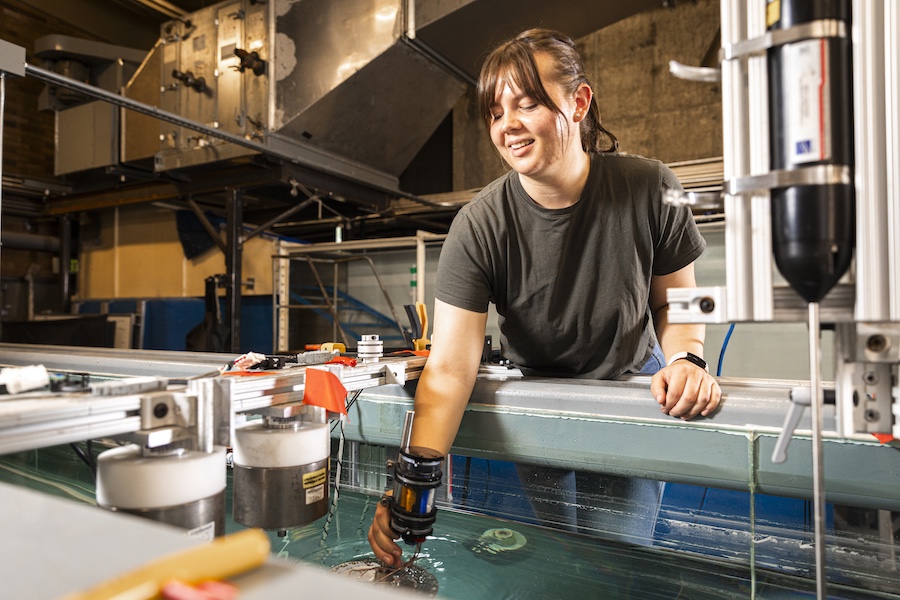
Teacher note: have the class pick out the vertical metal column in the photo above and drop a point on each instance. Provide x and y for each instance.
(748, 230)
(420, 266)
(892, 152)
(335, 322)
(736, 163)
(872, 259)
(281, 271)
(758, 151)
(234, 204)
(65, 259)
(2, 112)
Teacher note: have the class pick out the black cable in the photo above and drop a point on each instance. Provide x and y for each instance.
(466, 473)
(702, 504)
(89, 446)
(80, 453)
(88, 460)
(339, 463)
(349, 405)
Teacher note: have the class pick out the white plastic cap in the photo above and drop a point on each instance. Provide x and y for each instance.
(127, 479)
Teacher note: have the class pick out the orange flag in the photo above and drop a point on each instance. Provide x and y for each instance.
(324, 388)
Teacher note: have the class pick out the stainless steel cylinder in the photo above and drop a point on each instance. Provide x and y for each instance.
(279, 498)
(204, 518)
(280, 473)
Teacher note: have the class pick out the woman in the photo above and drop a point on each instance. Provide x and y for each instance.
(574, 247)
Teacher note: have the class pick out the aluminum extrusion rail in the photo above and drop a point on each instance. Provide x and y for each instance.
(254, 392)
(113, 362)
(35, 420)
(39, 419)
(616, 427)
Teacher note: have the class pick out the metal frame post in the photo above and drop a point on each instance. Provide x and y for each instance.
(12, 62)
(234, 207)
(868, 35)
(748, 238)
(892, 153)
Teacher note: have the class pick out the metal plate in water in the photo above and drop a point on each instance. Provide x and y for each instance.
(412, 577)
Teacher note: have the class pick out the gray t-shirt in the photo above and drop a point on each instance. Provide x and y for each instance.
(571, 285)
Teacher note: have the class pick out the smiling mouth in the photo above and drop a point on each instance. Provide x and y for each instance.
(519, 145)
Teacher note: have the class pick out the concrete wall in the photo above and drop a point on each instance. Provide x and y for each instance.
(651, 112)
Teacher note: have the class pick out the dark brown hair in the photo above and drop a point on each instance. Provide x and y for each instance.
(513, 60)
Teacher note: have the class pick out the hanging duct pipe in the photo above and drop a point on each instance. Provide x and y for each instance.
(29, 241)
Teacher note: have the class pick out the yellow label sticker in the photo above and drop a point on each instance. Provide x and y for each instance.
(315, 478)
(773, 12)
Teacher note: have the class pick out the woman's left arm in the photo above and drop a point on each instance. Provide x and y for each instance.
(682, 389)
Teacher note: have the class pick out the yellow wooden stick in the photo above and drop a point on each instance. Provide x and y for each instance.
(222, 558)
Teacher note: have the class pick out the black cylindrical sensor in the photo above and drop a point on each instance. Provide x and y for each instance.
(811, 123)
(417, 475)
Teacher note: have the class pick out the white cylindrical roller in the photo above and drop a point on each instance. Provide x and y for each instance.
(23, 379)
(128, 480)
(261, 447)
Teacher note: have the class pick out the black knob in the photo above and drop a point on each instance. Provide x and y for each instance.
(188, 79)
(251, 61)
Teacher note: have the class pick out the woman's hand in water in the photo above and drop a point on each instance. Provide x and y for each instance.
(381, 536)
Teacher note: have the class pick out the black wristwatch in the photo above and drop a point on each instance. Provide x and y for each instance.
(690, 356)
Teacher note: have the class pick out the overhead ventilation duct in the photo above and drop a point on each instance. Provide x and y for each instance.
(328, 82)
(349, 87)
(85, 128)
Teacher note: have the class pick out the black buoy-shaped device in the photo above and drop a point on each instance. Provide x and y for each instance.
(811, 123)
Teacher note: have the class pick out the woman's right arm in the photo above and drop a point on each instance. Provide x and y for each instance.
(443, 391)
(446, 382)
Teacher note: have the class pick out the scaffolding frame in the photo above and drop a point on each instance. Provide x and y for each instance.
(336, 254)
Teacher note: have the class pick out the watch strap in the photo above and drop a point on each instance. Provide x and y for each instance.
(691, 357)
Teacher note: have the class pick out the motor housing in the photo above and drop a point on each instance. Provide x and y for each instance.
(417, 475)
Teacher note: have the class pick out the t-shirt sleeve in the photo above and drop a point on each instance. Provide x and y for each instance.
(463, 268)
(678, 241)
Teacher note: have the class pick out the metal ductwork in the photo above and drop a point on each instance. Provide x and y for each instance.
(29, 241)
(352, 88)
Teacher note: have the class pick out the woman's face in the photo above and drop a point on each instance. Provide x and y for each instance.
(533, 139)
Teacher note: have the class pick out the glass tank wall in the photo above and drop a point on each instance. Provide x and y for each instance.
(487, 542)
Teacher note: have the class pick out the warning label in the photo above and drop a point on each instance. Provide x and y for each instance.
(315, 478)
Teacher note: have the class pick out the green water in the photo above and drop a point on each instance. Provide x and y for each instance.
(550, 565)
